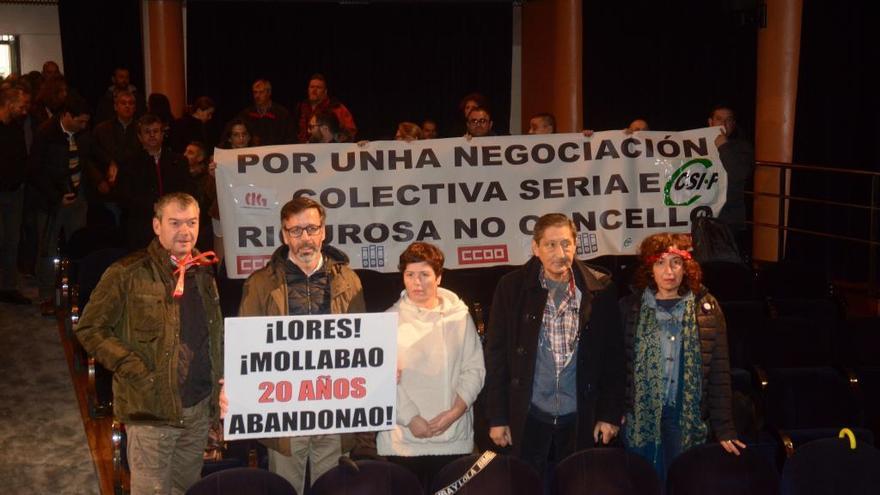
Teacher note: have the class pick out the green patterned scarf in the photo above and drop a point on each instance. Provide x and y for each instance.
(643, 422)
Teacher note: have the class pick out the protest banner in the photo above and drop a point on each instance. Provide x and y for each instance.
(478, 200)
(289, 376)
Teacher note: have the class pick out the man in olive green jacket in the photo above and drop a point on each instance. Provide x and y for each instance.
(305, 277)
(165, 349)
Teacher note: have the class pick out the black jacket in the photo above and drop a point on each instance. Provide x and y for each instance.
(48, 165)
(139, 190)
(715, 406)
(188, 128)
(13, 156)
(113, 142)
(511, 351)
(738, 159)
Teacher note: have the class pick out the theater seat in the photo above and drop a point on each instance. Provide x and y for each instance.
(862, 341)
(810, 398)
(242, 481)
(504, 474)
(797, 338)
(805, 404)
(606, 471)
(710, 469)
(830, 466)
(747, 322)
(869, 384)
(730, 281)
(793, 280)
(367, 478)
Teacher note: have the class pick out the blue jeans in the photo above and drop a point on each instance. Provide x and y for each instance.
(670, 440)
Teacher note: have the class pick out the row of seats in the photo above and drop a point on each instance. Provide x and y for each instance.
(777, 410)
(830, 466)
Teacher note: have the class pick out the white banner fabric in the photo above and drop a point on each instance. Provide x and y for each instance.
(290, 376)
(478, 200)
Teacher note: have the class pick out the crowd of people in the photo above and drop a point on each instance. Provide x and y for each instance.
(567, 365)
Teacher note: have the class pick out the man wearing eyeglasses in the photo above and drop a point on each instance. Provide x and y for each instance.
(324, 128)
(479, 123)
(305, 277)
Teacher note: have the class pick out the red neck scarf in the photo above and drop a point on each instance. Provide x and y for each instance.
(207, 258)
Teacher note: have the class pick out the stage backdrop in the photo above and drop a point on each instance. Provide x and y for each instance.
(478, 199)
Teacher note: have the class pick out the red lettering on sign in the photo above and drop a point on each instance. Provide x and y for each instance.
(247, 264)
(475, 255)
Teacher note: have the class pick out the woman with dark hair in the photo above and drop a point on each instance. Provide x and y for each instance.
(678, 375)
(236, 134)
(198, 124)
(440, 361)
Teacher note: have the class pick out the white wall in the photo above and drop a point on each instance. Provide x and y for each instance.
(38, 30)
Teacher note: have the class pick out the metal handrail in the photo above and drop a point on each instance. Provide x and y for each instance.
(872, 209)
(814, 201)
(816, 168)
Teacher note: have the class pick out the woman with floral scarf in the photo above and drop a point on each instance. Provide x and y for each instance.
(678, 375)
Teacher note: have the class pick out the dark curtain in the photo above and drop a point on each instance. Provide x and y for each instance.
(386, 62)
(97, 37)
(668, 62)
(836, 125)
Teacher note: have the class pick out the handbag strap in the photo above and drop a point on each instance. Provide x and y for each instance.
(475, 468)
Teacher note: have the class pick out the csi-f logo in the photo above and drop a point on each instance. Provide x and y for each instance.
(255, 199)
(690, 183)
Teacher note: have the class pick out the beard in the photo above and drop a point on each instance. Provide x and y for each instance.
(315, 248)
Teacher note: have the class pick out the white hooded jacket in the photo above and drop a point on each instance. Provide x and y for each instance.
(440, 355)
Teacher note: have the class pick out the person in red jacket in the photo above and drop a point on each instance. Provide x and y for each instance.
(318, 100)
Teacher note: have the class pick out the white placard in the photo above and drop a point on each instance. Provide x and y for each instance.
(289, 376)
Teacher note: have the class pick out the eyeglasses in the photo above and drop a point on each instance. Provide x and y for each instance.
(478, 121)
(298, 231)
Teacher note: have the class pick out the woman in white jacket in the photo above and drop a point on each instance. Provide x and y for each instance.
(441, 370)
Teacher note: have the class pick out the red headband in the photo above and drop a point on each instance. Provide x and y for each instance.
(672, 250)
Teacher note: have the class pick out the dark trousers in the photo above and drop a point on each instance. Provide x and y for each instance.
(670, 440)
(545, 444)
(425, 467)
